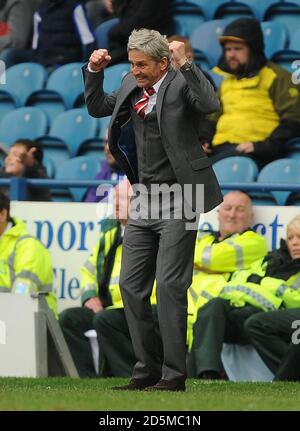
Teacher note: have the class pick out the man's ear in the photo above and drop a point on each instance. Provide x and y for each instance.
(164, 63)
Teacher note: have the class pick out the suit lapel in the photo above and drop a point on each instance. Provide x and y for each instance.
(161, 93)
(124, 92)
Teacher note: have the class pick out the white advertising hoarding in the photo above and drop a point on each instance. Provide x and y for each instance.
(70, 230)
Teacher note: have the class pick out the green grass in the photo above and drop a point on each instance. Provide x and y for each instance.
(95, 394)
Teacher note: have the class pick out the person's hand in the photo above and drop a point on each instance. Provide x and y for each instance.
(94, 304)
(177, 49)
(28, 158)
(245, 147)
(206, 148)
(99, 59)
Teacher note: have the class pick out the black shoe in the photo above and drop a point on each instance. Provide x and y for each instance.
(210, 375)
(136, 385)
(168, 385)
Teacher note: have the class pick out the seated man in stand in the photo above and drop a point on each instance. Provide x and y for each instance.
(260, 105)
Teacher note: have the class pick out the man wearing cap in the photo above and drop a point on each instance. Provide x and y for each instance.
(260, 106)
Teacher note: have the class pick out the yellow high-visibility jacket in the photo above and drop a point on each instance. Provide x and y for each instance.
(25, 264)
(215, 261)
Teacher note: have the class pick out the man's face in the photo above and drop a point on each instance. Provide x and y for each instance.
(235, 214)
(14, 162)
(293, 242)
(145, 69)
(237, 55)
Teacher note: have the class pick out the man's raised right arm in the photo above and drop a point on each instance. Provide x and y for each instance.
(98, 104)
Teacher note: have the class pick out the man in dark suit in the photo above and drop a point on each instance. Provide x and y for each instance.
(153, 135)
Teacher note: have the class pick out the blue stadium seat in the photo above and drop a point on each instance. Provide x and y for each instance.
(210, 7)
(295, 41)
(282, 171)
(232, 10)
(236, 169)
(54, 150)
(287, 56)
(275, 37)
(292, 2)
(95, 146)
(286, 12)
(21, 80)
(189, 14)
(63, 89)
(27, 123)
(78, 168)
(101, 32)
(113, 76)
(7, 104)
(69, 130)
(50, 167)
(258, 7)
(205, 42)
(186, 23)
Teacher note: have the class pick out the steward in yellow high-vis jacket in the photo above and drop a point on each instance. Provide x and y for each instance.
(102, 308)
(219, 254)
(260, 104)
(270, 283)
(25, 264)
(275, 335)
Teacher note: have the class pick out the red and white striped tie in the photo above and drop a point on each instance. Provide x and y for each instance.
(141, 104)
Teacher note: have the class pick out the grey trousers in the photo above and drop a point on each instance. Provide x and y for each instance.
(163, 249)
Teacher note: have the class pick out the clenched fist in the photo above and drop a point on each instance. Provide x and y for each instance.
(99, 59)
(177, 49)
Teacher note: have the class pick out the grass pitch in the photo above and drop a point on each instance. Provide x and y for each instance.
(65, 394)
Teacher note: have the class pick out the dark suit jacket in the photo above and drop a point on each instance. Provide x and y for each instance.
(182, 100)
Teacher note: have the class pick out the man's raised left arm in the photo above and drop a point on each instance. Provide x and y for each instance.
(199, 92)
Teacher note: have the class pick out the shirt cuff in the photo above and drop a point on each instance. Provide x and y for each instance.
(91, 70)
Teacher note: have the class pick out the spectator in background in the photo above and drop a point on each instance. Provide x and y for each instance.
(99, 11)
(109, 170)
(275, 334)
(15, 24)
(260, 106)
(25, 159)
(61, 34)
(269, 284)
(25, 264)
(134, 14)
